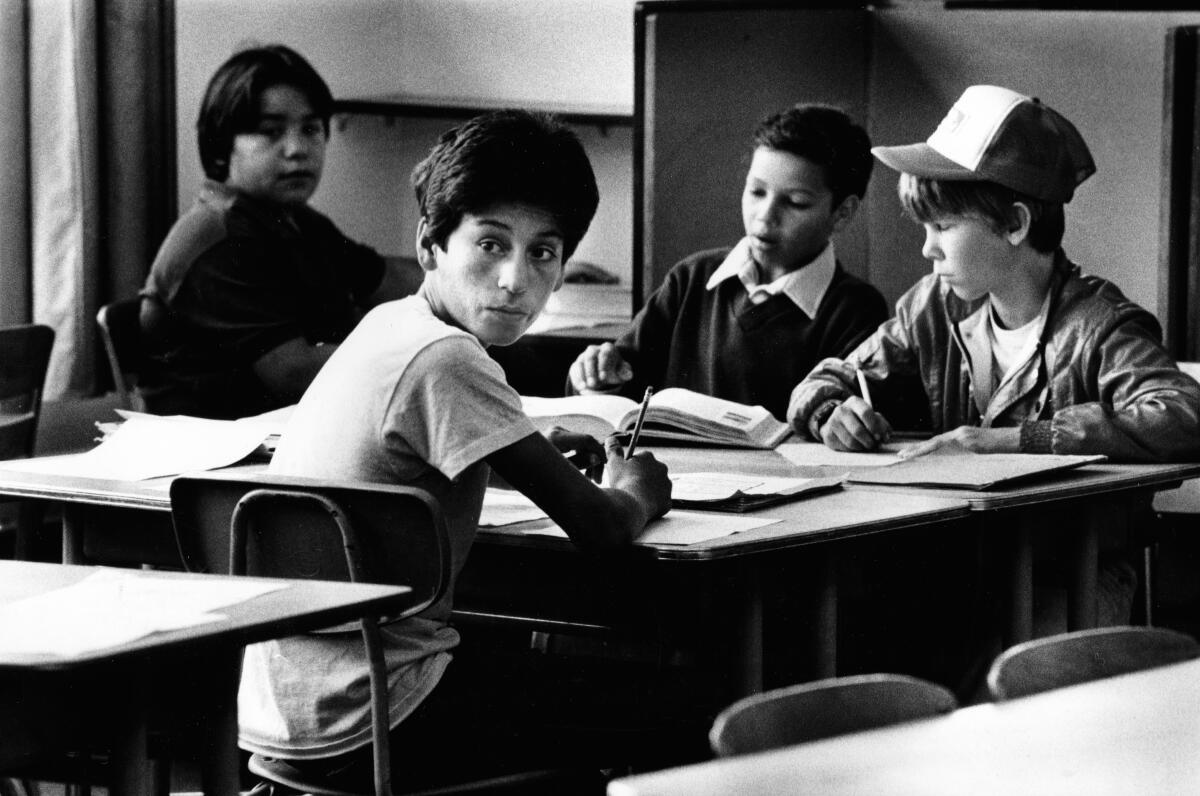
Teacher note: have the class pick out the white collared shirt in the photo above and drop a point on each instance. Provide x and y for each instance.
(805, 286)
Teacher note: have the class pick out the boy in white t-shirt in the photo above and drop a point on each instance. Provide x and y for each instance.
(412, 397)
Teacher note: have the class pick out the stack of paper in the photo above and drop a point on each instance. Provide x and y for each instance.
(740, 492)
(111, 607)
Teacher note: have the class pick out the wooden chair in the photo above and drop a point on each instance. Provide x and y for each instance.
(279, 526)
(24, 358)
(823, 708)
(1084, 655)
(121, 331)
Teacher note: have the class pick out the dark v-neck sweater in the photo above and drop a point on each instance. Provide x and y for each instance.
(719, 343)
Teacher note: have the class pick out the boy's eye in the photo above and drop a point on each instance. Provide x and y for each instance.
(491, 246)
(313, 129)
(545, 254)
(270, 130)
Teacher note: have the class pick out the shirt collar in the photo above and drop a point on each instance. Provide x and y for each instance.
(805, 286)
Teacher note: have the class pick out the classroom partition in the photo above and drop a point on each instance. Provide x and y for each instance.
(707, 72)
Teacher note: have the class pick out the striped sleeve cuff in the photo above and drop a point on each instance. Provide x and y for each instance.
(1037, 436)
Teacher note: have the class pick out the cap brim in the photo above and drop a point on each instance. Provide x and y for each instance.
(922, 160)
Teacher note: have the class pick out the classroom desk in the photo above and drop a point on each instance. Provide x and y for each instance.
(655, 590)
(1103, 499)
(1135, 733)
(188, 676)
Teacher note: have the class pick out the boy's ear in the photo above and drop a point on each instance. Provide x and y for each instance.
(844, 213)
(425, 246)
(1019, 223)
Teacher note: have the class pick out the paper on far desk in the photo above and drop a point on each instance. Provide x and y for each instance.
(682, 527)
(815, 453)
(109, 608)
(148, 446)
(507, 507)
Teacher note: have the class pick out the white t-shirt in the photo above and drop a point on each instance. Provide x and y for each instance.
(406, 399)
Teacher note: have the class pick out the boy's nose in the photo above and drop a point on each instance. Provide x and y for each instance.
(513, 275)
(296, 144)
(929, 249)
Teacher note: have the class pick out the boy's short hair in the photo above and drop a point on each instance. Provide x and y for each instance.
(826, 136)
(517, 156)
(926, 199)
(232, 99)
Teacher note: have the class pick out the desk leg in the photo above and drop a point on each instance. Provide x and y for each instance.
(72, 534)
(1020, 620)
(1081, 611)
(131, 771)
(218, 744)
(746, 652)
(826, 615)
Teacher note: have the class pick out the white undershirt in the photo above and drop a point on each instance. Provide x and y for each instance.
(1011, 347)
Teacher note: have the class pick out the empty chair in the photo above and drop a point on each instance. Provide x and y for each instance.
(121, 331)
(24, 358)
(820, 709)
(1084, 655)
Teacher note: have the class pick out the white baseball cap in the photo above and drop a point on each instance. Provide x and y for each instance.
(1001, 136)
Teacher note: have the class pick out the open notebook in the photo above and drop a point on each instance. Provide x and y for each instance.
(970, 470)
(674, 414)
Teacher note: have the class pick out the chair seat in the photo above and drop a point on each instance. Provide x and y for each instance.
(556, 781)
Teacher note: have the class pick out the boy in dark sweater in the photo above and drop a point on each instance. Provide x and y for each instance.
(748, 323)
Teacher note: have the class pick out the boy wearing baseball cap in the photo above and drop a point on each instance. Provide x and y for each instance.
(1017, 350)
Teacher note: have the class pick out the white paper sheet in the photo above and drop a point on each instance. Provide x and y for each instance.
(149, 446)
(814, 453)
(110, 607)
(682, 527)
(719, 486)
(507, 507)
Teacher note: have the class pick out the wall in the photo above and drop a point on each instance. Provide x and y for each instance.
(710, 77)
(1102, 70)
(518, 51)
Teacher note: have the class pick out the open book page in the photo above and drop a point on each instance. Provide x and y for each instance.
(595, 415)
(674, 413)
(713, 419)
(970, 470)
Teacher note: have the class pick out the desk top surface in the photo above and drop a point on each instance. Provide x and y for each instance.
(1136, 733)
(814, 519)
(1083, 481)
(303, 606)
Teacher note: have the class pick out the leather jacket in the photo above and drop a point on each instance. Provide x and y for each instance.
(1098, 380)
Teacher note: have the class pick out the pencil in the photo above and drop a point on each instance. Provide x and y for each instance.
(637, 427)
(862, 387)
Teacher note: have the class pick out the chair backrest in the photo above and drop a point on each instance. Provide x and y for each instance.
(824, 708)
(24, 357)
(121, 331)
(295, 528)
(1084, 655)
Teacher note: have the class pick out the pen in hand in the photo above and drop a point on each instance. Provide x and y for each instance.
(863, 388)
(637, 427)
